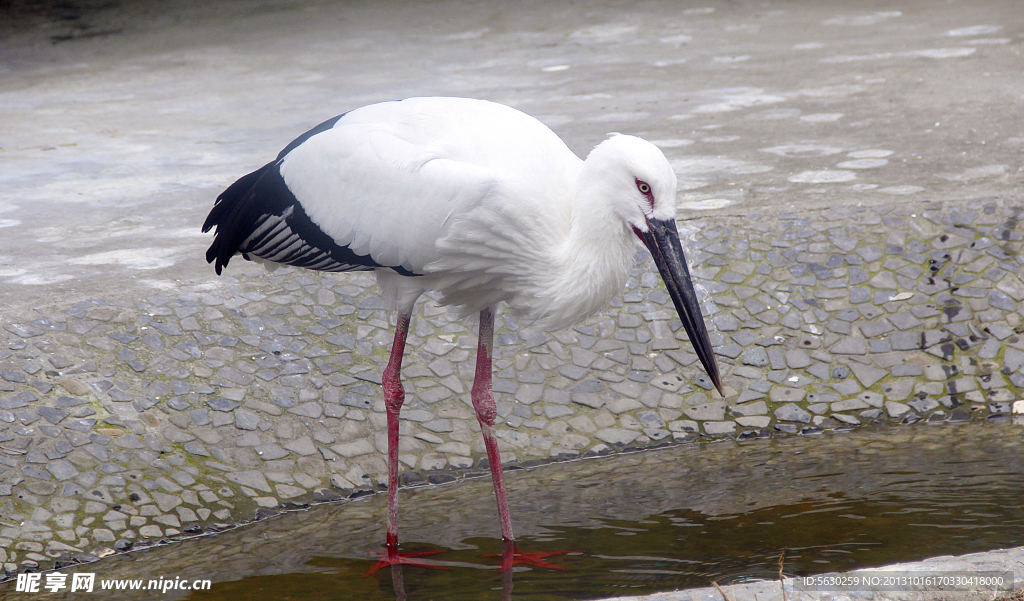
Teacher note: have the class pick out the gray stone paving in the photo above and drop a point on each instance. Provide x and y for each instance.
(125, 422)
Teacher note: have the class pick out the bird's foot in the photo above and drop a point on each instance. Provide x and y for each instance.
(391, 557)
(513, 556)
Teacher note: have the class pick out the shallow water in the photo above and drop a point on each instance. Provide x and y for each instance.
(660, 520)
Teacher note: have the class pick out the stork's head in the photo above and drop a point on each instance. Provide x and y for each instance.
(639, 185)
(636, 178)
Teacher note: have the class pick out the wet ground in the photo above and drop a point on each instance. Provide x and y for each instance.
(850, 187)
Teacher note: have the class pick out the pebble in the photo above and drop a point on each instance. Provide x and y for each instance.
(792, 412)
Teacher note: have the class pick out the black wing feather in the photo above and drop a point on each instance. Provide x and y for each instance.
(259, 215)
(326, 125)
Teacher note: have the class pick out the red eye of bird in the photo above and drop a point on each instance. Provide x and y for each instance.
(645, 189)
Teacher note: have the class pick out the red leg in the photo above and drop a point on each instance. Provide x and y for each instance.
(487, 414)
(394, 396)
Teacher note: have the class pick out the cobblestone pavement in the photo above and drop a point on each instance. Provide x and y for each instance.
(136, 420)
(850, 189)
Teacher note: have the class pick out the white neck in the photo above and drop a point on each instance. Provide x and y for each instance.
(591, 265)
(563, 254)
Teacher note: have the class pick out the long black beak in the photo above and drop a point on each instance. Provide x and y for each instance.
(662, 239)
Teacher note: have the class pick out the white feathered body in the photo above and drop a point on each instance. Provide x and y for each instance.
(482, 202)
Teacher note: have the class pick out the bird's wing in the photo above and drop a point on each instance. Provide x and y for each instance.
(380, 195)
(423, 185)
(346, 196)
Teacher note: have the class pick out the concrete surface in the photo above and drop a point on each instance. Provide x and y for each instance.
(855, 127)
(117, 136)
(1000, 566)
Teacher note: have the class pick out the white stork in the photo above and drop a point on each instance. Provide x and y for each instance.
(476, 200)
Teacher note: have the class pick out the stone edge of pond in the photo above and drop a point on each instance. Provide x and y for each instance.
(990, 562)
